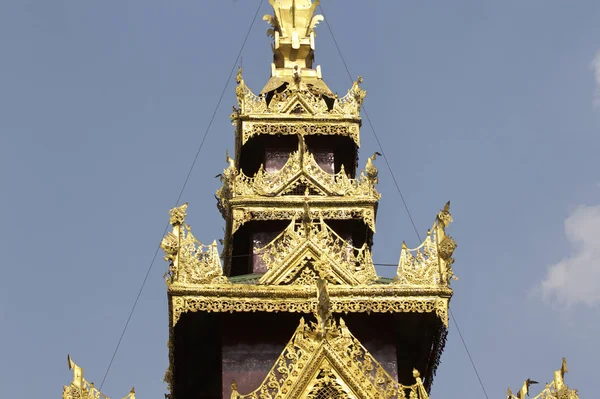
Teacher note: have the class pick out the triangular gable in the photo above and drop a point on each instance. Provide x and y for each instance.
(298, 105)
(316, 249)
(304, 262)
(319, 365)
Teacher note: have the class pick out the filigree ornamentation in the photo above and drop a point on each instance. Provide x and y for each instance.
(330, 362)
(80, 388)
(332, 256)
(297, 301)
(557, 389)
(191, 262)
(243, 215)
(300, 99)
(301, 169)
(431, 263)
(251, 128)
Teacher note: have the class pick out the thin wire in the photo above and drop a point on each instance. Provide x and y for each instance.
(399, 192)
(372, 128)
(468, 353)
(187, 178)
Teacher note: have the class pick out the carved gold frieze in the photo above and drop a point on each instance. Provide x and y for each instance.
(430, 264)
(190, 262)
(296, 300)
(244, 214)
(253, 128)
(80, 388)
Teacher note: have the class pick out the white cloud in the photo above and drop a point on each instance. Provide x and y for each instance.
(596, 68)
(576, 279)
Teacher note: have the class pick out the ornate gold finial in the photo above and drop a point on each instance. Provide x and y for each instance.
(178, 215)
(292, 29)
(238, 77)
(357, 92)
(559, 375)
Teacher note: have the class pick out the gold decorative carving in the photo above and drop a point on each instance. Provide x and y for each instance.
(190, 262)
(557, 389)
(80, 388)
(243, 215)
(288, 300)
(317, 244)
(301, 169)
(317, 363)
(430, 264)
(300, 98)
(252, 128)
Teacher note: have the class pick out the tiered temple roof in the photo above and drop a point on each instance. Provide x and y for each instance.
(298, 246)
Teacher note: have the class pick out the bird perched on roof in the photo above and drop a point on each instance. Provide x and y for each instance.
(371, 169)
(525, 388)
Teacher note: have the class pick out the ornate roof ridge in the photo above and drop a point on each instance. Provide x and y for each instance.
(297, 97)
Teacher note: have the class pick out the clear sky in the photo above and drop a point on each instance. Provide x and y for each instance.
(494, 105)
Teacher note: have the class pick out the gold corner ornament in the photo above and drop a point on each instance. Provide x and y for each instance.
(80, 388)
(557, 389)
(324, 359)
(430, 264)
(190, 261)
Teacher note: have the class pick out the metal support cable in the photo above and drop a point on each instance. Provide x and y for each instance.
(399, 192)
(385, 158)
(187, 178)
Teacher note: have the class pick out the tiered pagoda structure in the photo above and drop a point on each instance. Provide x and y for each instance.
(297, 211)
(292, 306)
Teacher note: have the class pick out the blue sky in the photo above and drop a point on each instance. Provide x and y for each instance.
(492, 105)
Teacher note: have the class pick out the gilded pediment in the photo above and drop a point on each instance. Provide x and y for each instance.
(305, 250)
